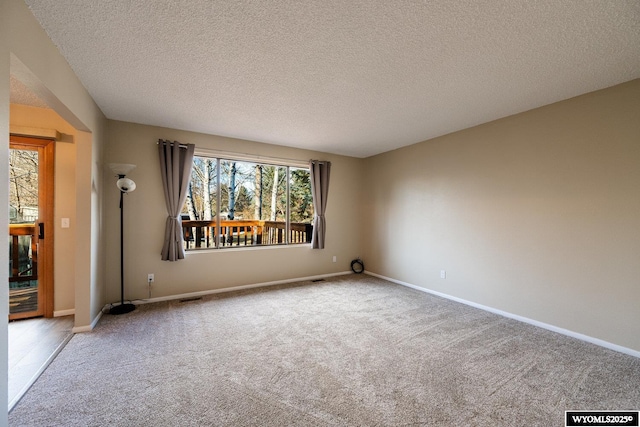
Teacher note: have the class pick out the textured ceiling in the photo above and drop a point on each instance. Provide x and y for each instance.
(354, 77)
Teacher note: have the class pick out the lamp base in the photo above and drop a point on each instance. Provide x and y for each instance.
(122, 309)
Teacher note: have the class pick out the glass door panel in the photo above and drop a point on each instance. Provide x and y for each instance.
(23, 282)
(25, 231)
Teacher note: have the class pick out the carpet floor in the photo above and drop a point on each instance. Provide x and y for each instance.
(349, 351)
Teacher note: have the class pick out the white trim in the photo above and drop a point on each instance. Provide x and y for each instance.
(61, 313)
(35, 132)
(87, 328)
(239, 288)
(254, 158)
(191, 252)
(582, 337)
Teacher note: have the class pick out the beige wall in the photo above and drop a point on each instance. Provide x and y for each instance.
(37, 62)
(145, 216)
(27, 52)
(537, 214)
(4, 198)
(65, 198)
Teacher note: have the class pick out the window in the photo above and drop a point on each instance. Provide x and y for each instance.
(258, 204)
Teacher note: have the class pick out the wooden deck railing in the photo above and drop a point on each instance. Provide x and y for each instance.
(24, 266)
(202, 234)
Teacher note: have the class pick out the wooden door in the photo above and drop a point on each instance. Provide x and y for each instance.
(31, 227)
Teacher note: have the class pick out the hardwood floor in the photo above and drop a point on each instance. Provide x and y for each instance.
(33, 344)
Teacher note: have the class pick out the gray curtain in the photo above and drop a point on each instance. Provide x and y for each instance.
(319, 191)
(176, 162)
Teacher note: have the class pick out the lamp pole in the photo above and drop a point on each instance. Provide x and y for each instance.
(122, 308)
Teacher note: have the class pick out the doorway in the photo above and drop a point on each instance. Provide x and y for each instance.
(31, 187)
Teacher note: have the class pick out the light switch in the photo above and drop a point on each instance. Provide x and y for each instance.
(65, 222)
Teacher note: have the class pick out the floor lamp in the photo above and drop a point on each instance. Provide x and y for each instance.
(125, 185)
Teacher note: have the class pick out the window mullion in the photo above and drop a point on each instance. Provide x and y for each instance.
(218, 202)
(288, 217)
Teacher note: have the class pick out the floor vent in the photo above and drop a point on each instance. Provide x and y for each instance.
(318, 280)
(190, 299)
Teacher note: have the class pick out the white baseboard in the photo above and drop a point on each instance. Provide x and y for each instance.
(582, 337)
(87, 328)
(62, 313)
(238, 288)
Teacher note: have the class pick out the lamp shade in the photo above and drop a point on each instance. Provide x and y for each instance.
(121, 168)
(126, 185)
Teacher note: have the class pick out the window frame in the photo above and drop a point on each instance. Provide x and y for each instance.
(221, 156)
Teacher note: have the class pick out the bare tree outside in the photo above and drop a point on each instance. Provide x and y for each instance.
(201, 197)
(23, 185)
(257, 198)
(206, 195)
(250, 195)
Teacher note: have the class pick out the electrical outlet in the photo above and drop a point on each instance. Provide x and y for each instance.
(151, 278)
(443, 274)
(335, 258)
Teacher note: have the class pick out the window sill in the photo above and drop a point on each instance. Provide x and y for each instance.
(246, 248)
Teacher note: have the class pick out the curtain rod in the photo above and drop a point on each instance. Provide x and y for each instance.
(164, 142)
(232, 155)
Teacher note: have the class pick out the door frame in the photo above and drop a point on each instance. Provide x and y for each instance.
(46, 149)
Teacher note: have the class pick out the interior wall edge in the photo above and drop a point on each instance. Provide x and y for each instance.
(4, 196)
